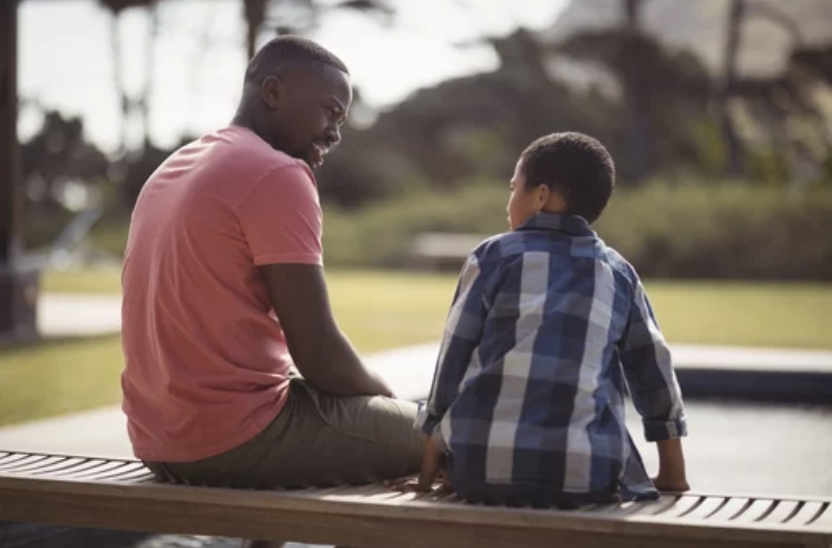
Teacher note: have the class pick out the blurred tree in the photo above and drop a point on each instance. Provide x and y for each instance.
(141, 103)
(299, 16)
(463, 129)
(56, 155)
(731, 86)
(663, 95)
(786, 112)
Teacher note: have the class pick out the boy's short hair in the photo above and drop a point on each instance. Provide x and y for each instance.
(574, 165)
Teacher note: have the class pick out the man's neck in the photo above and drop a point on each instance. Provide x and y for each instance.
(244, 119)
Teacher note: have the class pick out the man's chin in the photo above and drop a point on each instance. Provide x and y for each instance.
(311, 162)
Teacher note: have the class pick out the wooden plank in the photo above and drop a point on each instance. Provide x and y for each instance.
(158, 507)
(412, 530)
(73, 491)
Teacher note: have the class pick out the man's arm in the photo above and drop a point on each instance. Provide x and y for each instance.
(656, 395)
(321, 352)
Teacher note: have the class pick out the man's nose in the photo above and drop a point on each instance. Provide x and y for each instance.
(333, 133)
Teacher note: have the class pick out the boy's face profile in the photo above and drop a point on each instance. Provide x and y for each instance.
(524, 203)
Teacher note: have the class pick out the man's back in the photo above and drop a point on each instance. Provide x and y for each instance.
(206, 360)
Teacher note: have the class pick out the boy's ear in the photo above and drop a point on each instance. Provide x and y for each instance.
(543, 192)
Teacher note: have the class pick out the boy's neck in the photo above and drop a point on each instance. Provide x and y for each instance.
(554, 204)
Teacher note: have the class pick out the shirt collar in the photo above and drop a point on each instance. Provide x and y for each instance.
(570, 224)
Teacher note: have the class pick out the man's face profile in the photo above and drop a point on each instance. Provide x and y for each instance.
(307, 106)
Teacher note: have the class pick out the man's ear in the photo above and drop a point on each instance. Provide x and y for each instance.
(270, 91)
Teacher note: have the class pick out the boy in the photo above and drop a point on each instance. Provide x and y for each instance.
(527, 401)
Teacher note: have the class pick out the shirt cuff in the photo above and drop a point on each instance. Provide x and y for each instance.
(661, 430)
(425, 422)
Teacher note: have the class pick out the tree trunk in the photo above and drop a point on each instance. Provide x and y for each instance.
(637, 101)
(733, 38)
(255, 13)
(150, 71)
(118, 80)
(632, 13)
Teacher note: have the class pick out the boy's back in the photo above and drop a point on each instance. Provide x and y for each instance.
(528, 397)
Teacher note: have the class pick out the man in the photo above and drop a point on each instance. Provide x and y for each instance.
(224, 291)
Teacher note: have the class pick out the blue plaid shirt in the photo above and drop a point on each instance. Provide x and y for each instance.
(546, 324)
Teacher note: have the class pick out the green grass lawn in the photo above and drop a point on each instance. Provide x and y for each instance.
(380, 310)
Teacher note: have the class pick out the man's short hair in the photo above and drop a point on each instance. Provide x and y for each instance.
(286, 51)
(574, 165)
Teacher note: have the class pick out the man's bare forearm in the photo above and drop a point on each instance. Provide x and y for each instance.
(346, 374)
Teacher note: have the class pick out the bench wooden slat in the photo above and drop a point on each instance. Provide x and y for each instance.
(13, 461)
(37, 465)
(683, 506)
(810, 513)
(101, 470)
(709, 507)
(824, 520)
(733, 509)
(756, 512)
(61, 465)
(121, 494)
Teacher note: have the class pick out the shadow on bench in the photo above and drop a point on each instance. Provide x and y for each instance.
(122, 494)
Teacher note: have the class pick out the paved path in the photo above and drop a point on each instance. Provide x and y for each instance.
(66, 315)
(78, 315)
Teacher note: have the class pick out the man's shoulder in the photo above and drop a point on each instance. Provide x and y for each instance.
(248, 151)
(231, 162)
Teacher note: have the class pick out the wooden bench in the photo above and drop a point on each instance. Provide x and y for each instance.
(122, 494)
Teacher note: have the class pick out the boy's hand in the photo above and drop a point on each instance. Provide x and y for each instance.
(669, 484)
(671, 476)
(431, 473)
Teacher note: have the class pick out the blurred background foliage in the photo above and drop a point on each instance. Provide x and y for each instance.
(718, 113)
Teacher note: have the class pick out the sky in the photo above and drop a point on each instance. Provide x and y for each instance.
(66, 58)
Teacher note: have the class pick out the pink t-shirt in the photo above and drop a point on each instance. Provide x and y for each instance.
(206, 359)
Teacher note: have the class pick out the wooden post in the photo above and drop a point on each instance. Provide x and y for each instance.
(18, 284)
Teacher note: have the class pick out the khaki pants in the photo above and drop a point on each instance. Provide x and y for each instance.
(317, 440)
